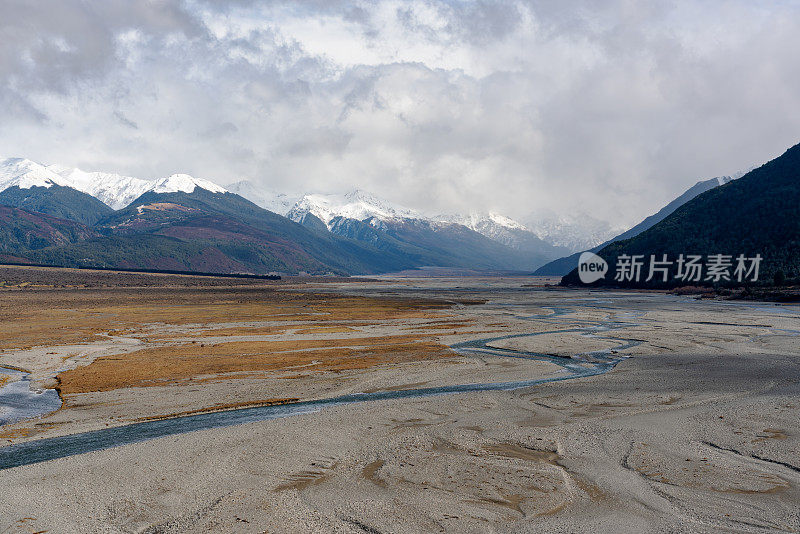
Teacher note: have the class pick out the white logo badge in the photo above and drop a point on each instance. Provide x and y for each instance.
(591, 267)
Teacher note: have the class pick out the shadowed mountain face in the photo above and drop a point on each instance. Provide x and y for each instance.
(756, 214)
(423, 242)
(22, 232)
(223, 232)
(511, 234)
(180, 221)
(57, 201)
(562, 266)
(227, 232)
(478, 242)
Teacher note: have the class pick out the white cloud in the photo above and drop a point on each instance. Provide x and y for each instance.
(612, 108)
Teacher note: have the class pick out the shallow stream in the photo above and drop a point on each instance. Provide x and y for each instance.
(18, 401)
(594, 363)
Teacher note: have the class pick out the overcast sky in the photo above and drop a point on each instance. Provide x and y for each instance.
(611, 107)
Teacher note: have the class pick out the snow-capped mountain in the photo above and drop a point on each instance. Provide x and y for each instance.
(24, 173)
(117, 191)
(183, 183)
(575, 233)
(510, 233)
(492, 225)
(114, 190)
(358, 205)
(269, 199)
(403, 232)
(451, 238)
(582, 232)
(31, 186)
(363, 206)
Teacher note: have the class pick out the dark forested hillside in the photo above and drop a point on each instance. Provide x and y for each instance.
(57, 201)
(562, 266)
(756, 214)
(238, 233)
(22, 231)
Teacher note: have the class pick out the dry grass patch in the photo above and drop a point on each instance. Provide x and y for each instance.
(326, 330)
(163, 365)
(68, 316)
(17, 433)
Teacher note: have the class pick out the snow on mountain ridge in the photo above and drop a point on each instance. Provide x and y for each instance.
(356, 204)
(493, 225)
(119, 191)
(184, 183)
(474, 221)
(24, 173)
(114, 190)
(363, 206)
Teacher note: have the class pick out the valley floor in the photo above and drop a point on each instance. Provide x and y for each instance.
(694, 430)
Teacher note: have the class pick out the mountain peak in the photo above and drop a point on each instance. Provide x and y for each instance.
(114, 190)
(24, 173)
(184, 183)
(359, 195)
(357, 204)
(479, 221)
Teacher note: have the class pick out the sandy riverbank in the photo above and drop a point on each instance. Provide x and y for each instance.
(696, 432)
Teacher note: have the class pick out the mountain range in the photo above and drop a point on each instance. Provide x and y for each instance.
(67, 216)
(187, 223)
(360, 215)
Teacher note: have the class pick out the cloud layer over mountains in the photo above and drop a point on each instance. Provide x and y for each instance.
(512, 106)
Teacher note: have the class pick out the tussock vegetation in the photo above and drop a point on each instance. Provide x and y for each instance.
(164, 365)
(164, 318)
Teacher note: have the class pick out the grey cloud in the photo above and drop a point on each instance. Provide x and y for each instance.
(482, 22)
(477, 23)
(223, 129)
(46, 45)
(516, 106)
(318, 140)
(125, 120)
